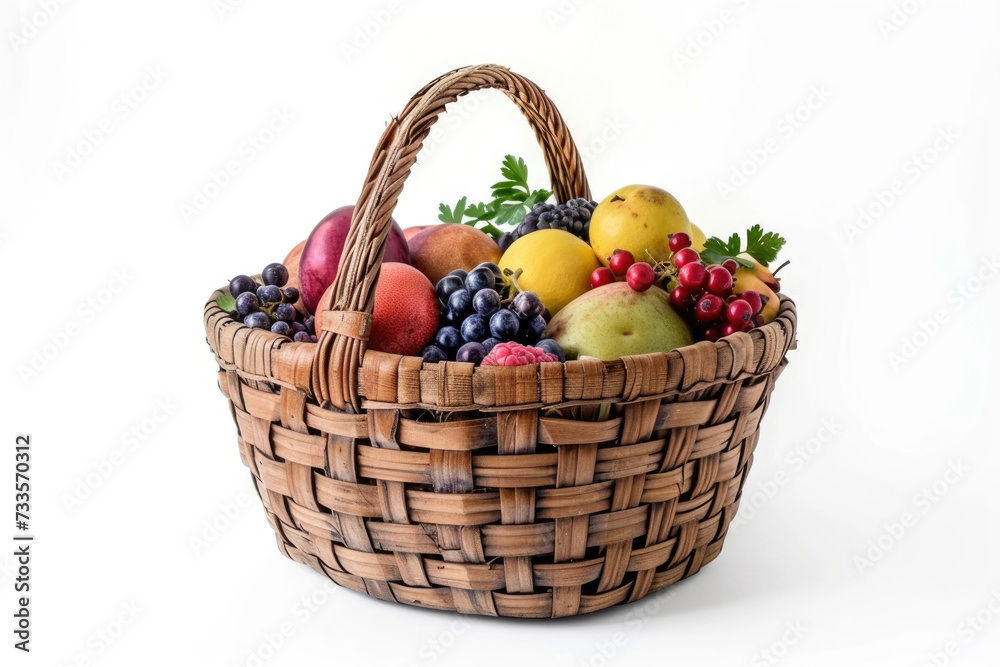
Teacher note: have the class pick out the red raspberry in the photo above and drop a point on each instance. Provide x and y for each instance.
(515, 354)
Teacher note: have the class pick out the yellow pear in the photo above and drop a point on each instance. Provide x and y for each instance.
(762, 272)
(640, 219)
(760, 279)
(697, 237)
(614, 320)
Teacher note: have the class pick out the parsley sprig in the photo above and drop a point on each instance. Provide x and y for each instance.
(762, 246)
(512, 199)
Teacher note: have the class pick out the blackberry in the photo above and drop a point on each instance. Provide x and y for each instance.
(573, 217)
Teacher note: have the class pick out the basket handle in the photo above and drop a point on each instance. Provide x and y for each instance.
(344, 330)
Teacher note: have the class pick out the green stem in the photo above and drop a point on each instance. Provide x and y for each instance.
(492, 230)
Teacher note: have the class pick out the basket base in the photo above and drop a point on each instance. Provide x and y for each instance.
(551, 603)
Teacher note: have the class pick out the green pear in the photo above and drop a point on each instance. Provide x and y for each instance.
(614, 320)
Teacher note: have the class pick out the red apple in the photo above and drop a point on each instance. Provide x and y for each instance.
(320, 257)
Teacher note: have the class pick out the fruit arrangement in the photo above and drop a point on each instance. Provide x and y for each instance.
(522, 280)
(399, 412)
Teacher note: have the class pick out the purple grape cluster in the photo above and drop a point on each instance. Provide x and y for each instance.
(473, 318)
(271, 305)
(573, 217)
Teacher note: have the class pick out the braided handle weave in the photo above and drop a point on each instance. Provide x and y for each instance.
(344, 331)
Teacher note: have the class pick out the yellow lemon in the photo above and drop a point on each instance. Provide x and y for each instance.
(554, 264)
(640, 219)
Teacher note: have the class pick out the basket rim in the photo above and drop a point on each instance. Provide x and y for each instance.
(282, 361)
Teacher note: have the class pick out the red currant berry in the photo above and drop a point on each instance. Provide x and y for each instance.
(692, 275)
(720, 281)
(730, 329)
(679, 241)
(712, 334)
(601, 276)
(731, 265)
(680, 298)
(753, 298)
(758, 320)
(640, 276)
(685, 256)
(708, 309)
(738, 313)
(620, 261)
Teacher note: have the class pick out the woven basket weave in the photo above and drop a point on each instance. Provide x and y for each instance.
(536, 491)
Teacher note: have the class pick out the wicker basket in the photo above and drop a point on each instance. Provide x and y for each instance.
(537, 491)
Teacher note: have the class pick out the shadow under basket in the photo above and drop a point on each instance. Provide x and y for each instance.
(537, 491)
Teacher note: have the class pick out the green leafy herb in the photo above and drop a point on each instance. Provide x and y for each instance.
(226, 303)
(762, 246)
(512, 199)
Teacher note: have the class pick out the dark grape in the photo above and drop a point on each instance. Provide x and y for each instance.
(480, 279)
(313, 338)
(551, 347)
(285, 312)
(451, 318)
(246, 303)
(269, 294)
(274, 274)
(433, 354)
(280, 327)
(301, 337)
(446, 286)
(573, 217)
(527, 305)
(504, 325)
(486, 302)
(448, 339)
(241, 284)
(497, 273)
(471, 353)
(461, 273)
(475, 328)
(310, 324)
(257, 320)
(532, 331)
(489, 343)
(460, 302)
(298, 326)
(290, 294)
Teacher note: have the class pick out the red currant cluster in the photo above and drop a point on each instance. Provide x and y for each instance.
(704, 294)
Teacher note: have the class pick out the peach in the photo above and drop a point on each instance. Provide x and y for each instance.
(405, 316)
(410, 232)
(439, 250)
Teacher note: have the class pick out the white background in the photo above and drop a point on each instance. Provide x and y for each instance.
(820, 543)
